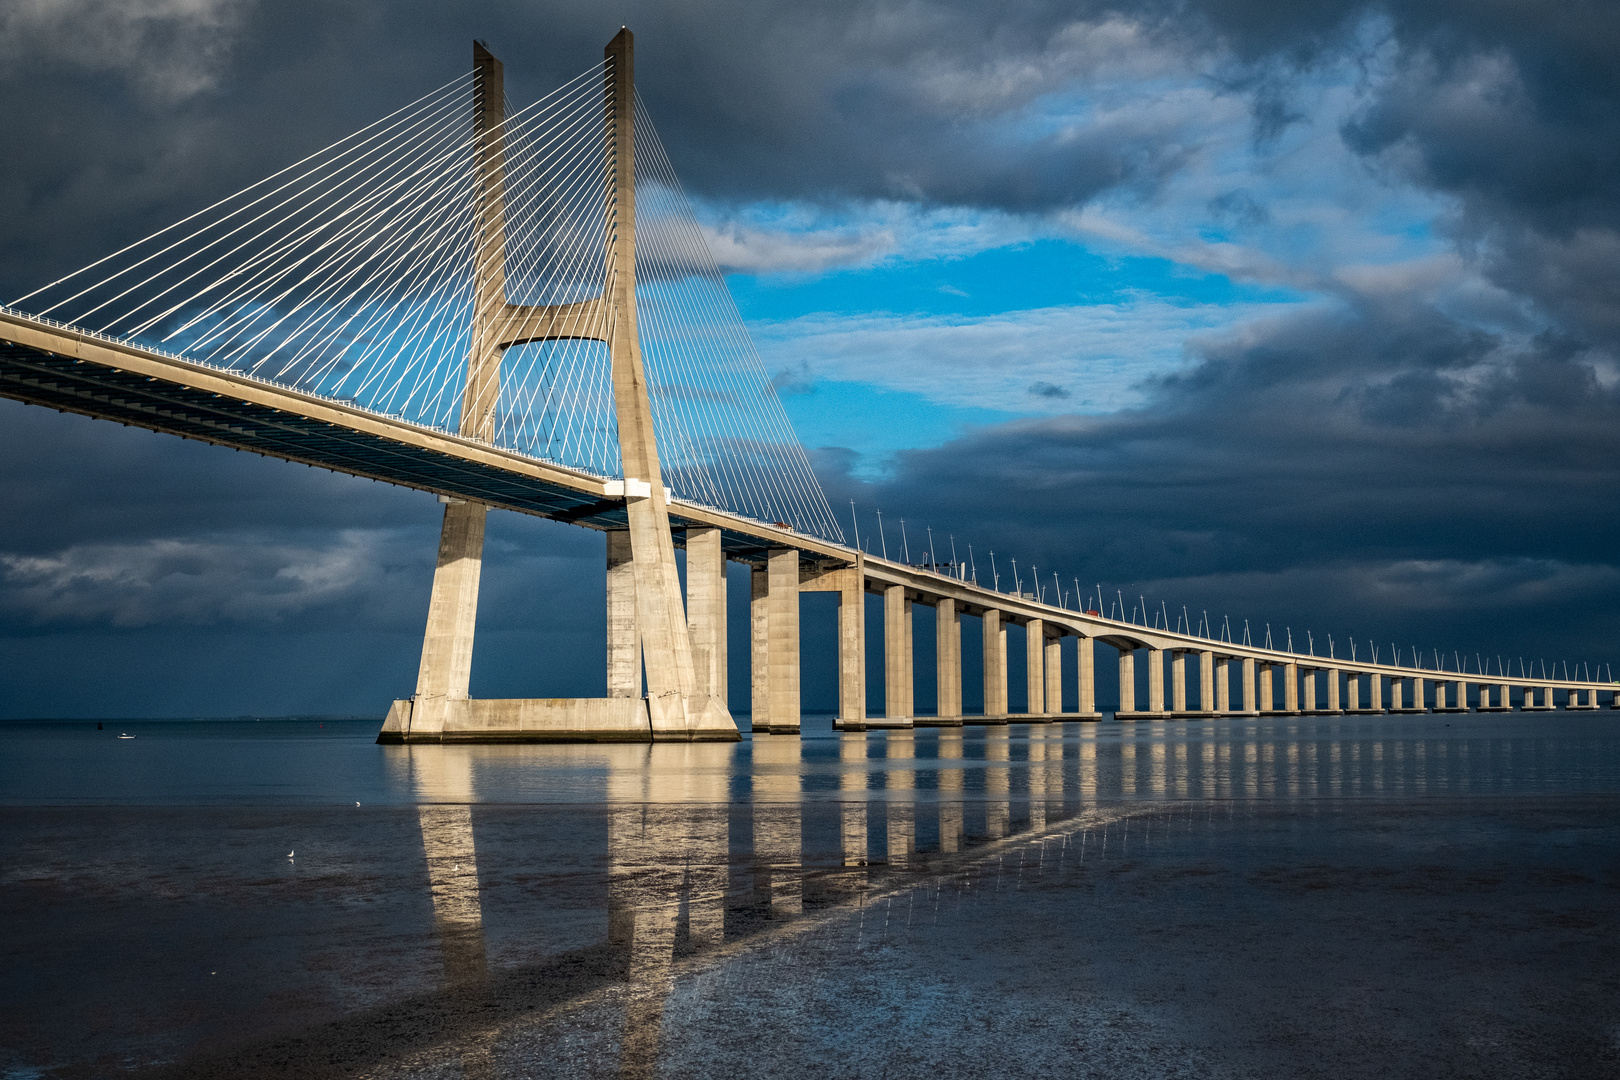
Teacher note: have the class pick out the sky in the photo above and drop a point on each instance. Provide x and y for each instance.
(1304, 315)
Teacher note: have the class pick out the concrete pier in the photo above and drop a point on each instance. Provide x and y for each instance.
(1251, 700)
(1053, 647)
(995, 670)
(852, 643)
(1206, 683)
(1178, 682)
(947, 666)
(1086, 663)
(899, 683)
(782, 650)
(1156, 682)
(1127, 683)
(1034, 669)
(706, 610)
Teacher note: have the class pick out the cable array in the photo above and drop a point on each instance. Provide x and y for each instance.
(354, 273)
(709, 385)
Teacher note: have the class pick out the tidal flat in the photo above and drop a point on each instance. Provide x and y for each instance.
(1315, 896)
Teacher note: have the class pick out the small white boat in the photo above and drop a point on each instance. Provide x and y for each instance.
(125, 735)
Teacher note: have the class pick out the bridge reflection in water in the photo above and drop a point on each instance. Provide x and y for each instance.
(713, 851)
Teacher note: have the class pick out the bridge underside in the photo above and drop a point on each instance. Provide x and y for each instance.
(39, 377)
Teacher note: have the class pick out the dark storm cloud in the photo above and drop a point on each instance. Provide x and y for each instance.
(1370, 466)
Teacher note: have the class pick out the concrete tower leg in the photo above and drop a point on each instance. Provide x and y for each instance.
(1291, 688)
(1375, 692)
(1333, 690)
(1035, 668)
(445, 673)
(1251, 703)
(1265, 700)
(1420, 693)
(623, 637)
(1307, 694)
(1054, 675)
(783, 603)
(1352, 687)
(1397, 695)
(1223, 687)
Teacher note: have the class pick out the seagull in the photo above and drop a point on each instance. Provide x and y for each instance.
(289, 854)
(357, 804)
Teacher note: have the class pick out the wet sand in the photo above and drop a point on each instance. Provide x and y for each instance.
(1020, 927)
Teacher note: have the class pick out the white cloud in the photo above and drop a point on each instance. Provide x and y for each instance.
(1096, 355)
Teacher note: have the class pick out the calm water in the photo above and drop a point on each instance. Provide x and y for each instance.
(325, 762)
(1345, 897)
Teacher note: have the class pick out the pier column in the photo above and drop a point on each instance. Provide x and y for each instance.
(1291, 687)
(1251, 704)
(759, 646)
(1264, 701)
(995, 665)
(1156, 681)
(1459, 695)
(445, 673)
(706, 610)
(1375, 692)
(852, 645)
(1420, 694)
(1035, 667)
(1333, 689)
(1086, 666)
(897, 670)
(1505, 697)
(1352, 685)
(1178, 681)
(948, 660)
(623, 636)
(1206, 681)
(1127, 681)
(1223, 686)
(1307, 696)
(783, 601)
(1397, 690)
(1054, 674)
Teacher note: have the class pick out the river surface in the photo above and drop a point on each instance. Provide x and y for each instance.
(1426, 896)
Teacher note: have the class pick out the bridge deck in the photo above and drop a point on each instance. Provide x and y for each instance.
(62, 369)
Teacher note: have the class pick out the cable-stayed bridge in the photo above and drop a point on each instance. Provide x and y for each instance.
(514, 308)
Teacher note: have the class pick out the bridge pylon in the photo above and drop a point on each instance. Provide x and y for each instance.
(677, 706)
